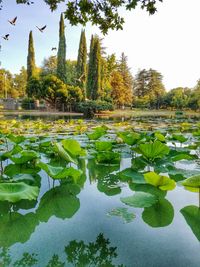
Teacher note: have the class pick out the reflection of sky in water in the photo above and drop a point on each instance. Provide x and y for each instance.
(137, 243)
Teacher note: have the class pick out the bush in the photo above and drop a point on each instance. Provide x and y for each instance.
(89, 108)
(28, 103)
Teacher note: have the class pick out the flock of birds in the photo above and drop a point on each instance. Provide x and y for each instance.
(13, 23)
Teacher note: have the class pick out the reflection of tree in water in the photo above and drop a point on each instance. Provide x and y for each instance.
(79, 254)
(27, 260)
(96, 253)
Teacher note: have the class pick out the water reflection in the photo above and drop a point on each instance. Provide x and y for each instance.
(99, 253)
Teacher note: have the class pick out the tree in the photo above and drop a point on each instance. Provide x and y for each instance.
(141, 84)
(61, 57)
(6, 84)
(34, 88)
(94, 69)
(20, 82)
(31, 67)
(82, 63)
(51, 87)
(71, 72)
(105, 13)
(49, 66)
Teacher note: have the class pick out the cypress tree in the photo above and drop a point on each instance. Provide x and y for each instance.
(61, 57)
(31, 67)
(81, 67)
(94, 69)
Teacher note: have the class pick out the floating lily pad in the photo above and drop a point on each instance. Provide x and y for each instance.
(123, 213)
(14, 192)
(163, 182)
(160, 214)
(140, 200)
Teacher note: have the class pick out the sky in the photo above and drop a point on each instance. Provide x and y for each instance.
(168, 41)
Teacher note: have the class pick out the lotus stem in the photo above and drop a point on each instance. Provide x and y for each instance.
(199, 197)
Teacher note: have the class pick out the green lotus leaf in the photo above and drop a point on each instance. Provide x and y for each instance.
(179, 137)
(108, 157)
(14, 169)
(163, 182)
(160, 214)
(16, 138)
(103, 146)
(24, 156)
(58, 147)
(139, 163)
(123, 213)
(193, 182)
(140, 200)
(60, 201)
(14, 192)
(159, 136)
(60, 172)
(148, 188)
(192, 217)
(131, 175)
(98, 132)
(152, 151)
(15, 227)
(16, 149)
(130, 138)
(73, 147)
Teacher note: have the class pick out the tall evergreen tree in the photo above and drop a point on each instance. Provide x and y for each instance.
(31, 67)
(82, 63)
(94, 70)
(61, 57)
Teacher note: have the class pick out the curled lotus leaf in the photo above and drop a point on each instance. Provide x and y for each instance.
(14, 192)
(160, 181)
(193, 182)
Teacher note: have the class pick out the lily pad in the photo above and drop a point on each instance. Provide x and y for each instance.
(160, 214)
(24, 156)
(14, 192)
(163, 182)
(123, 213)
(103, 146)
(140, 200)
(131, 175)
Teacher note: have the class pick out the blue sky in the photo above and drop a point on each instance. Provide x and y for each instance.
(169, 41)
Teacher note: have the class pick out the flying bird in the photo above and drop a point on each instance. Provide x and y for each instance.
(5, 37)
(53, 48)
(13, 21)
(41, 29)
(30, 3)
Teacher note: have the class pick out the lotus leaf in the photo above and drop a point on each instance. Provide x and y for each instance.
(14, 192)
(140, 200)
(103, 146)
(109, 185)
(14, 169)
(192, 183)
(179, 137)
(108, 157)
(123, 213)
(131, 175)
(192, 217)
(130, 138)
(159, 136)
(73, 147)
(16, 138)
(160, 214)
(60, 172)
(24, 156)
(160, 181)
(152, 151)
(99, 132)
(58, 147)
(148, 188)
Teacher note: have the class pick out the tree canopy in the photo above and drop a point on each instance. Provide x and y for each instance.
(105, 14)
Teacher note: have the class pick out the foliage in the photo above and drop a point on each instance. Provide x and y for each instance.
(31, 67)
(89, 108)
(61, 57)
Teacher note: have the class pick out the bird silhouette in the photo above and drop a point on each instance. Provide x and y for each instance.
(30, 3)
(53, 48)
(5, 37)
(41, 29)
(13, 21)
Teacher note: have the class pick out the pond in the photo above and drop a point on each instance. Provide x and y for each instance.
(115, 211)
